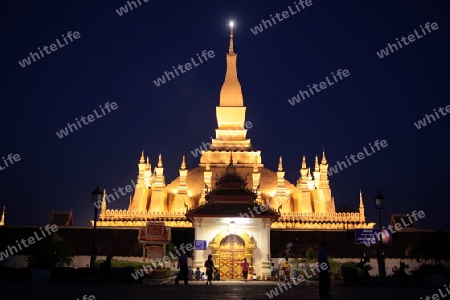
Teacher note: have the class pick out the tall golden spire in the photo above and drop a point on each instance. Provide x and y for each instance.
(316, 166)
(160, 164)
(2, 220)
(103, 205)
(231, 132)
(142, 160)
(324, 159)
(231, 93)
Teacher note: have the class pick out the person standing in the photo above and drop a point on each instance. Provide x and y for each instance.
(286, 266)
(183, 266)
(324, 276)
(245, 266)
(209, 265)
(272, 272)
(280, 269)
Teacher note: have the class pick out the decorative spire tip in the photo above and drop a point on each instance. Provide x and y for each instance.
(231, 49)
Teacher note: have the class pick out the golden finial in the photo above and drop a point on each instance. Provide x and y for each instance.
(280, 165)
(324, 159)
(183, 163)
(160, 161)
(142, 160)
(231, 49)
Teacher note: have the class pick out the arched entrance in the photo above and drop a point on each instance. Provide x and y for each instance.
(229, 250)
(231, 254)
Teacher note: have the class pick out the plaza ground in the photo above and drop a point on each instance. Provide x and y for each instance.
(198, 290)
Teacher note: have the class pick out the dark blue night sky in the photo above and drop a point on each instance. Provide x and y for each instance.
(117, 58)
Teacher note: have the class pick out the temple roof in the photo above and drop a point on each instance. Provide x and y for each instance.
(231, 198)
(61, 218)
(401, 218)
(240, 210)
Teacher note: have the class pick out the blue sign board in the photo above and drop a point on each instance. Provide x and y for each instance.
(200, 245)
(371, 236)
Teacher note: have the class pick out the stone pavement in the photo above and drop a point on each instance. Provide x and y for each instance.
(229, 290)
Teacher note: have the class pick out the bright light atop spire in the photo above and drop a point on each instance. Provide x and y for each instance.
(231, 50)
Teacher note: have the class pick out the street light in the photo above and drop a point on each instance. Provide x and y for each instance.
(96, 199)
(379, 204)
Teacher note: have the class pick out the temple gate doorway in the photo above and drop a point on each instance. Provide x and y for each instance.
(229, 250)
(231, 254)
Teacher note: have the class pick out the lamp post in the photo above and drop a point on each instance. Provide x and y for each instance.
(96, 199)
(379, 204)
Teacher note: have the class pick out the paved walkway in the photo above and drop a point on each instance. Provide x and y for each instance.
(220, 290)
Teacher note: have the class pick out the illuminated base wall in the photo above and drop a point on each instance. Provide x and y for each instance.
(289, 221)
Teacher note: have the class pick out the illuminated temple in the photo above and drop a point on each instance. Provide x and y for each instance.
(216, 197)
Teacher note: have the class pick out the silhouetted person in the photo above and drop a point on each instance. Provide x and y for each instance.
(245, 265)
(107, 263)
(209, 265)
(183, 266)
(324, 267)
(105, 267)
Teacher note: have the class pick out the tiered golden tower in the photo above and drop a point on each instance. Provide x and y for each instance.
(307, 205)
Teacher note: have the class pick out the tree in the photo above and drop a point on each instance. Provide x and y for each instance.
(429, 247)
(52, 252)
(311, 255)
